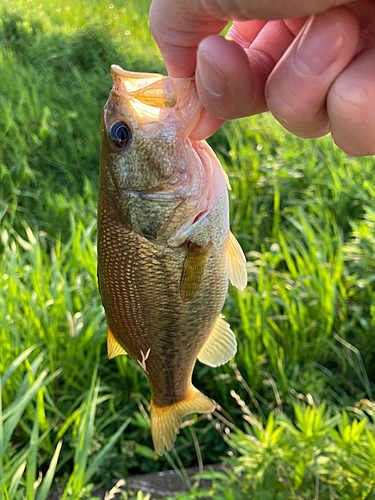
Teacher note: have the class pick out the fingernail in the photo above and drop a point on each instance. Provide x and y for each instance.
(319, 45)
(209, 75)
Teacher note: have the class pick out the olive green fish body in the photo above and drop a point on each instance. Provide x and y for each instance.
(140, 286)
(164, 245)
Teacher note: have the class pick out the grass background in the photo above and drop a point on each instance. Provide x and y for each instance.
(297, 411)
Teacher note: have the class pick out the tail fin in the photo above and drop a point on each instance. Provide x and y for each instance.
(166, 421)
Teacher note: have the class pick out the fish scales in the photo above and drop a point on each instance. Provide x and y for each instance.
(164, 245)
(134, 274)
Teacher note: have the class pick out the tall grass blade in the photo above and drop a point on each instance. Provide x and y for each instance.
(85, 433)
(16, 480)
(99, 458)
(16, 363)
(47, 481)
(12, 467)
(14, 411)
(32, 461)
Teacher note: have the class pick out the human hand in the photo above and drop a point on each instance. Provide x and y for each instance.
(316, 75)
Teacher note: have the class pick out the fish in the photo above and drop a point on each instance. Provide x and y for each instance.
(165, 249)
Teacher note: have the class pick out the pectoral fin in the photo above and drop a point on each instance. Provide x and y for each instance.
(236, 263)
(193, 270)
(221, 345)
(113, 347)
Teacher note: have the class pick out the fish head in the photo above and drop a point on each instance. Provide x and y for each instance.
(148, 164)
(145, 120)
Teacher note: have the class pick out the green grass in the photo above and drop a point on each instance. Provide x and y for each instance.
(296, 417)
(317, 454)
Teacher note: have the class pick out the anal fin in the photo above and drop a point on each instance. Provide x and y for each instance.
(113, 347)
(166, 421)
(236, 263)
(220, 346)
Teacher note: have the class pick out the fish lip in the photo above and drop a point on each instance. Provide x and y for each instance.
(116, 70)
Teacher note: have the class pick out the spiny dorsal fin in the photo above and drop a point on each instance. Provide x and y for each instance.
(113, 347)
(220, 346)
(236, 263)
(193, 270)
(166, 421)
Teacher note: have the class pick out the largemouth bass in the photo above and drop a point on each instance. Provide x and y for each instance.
(165, 250)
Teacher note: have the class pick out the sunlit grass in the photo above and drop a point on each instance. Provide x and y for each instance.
(315, 454)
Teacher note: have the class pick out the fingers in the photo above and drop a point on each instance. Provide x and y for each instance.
(179, 26)
(297, 88)
(222, 77)
(231, 76)
(351, 106)
(310, 87)
(266, 10)
(245, 32)
(242, 74)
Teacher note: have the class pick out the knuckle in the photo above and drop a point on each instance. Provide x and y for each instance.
(349, 100)
(288, 110)
(304, 119)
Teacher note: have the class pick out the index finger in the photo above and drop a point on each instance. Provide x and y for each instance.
(178, 32)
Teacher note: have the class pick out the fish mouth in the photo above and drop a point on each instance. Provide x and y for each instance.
(153, 89)
(155, 99)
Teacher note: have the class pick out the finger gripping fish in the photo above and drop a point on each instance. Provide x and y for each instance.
(165, 250)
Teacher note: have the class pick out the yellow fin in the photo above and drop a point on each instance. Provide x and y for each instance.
(166, 421)
(113, 347)
(236, 263)
(220, 346)
(193, 270)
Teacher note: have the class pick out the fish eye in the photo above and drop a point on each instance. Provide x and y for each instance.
(120, 134)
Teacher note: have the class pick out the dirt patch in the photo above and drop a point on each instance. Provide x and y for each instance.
(160, 485)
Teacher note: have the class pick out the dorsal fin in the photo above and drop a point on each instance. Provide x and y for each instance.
(113, 347)
(236, 263)
(220, 346)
